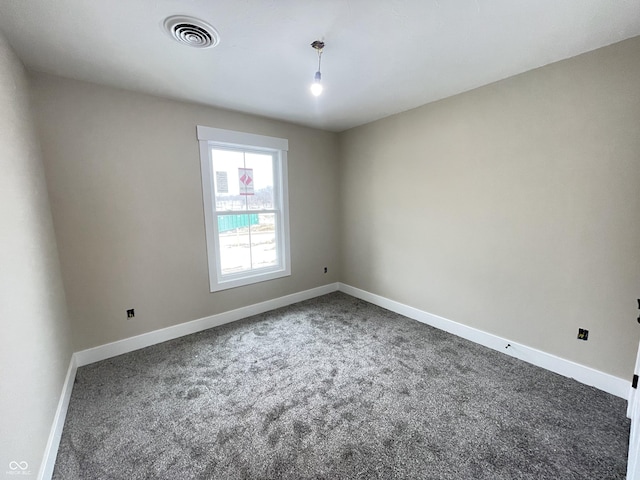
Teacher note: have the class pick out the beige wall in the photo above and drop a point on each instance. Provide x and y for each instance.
(513, 208)
(123, 171)
(36, 341)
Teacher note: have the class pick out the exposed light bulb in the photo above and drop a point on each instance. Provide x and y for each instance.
(316, 87)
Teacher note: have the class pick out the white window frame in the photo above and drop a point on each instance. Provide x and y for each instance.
(210, 138)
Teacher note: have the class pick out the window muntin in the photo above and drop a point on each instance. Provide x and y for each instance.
(246, 207)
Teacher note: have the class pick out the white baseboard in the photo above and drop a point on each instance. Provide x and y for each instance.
(127, 345)
(51, 450)
(583, 374)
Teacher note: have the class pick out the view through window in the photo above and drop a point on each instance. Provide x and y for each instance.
(247, 219)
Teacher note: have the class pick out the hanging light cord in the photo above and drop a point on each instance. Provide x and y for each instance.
(319, 46)
(319, 58)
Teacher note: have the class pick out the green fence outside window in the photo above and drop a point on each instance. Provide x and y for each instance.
(231, 222)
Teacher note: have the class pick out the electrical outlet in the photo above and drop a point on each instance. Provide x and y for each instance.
(583, 334)
(326, 269)
(131, 313)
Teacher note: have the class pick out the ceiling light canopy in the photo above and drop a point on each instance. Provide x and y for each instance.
(191, 31)
(316, 87)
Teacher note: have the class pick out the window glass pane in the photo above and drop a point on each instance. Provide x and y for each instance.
(234, 241)
(264, 252)
(260, 165)
(227, 165)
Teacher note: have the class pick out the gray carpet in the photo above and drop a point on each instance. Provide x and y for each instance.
(335, 388)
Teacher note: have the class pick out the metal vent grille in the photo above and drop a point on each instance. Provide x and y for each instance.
(192, 32)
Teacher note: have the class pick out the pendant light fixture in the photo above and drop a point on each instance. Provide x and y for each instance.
(316, 87)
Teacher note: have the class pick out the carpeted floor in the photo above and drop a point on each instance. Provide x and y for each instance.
(335, 388)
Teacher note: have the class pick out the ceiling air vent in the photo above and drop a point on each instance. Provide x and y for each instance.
(191, 31)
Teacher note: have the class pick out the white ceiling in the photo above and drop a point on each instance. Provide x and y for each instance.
(381, 56)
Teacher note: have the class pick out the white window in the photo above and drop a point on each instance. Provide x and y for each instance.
(246, 209)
